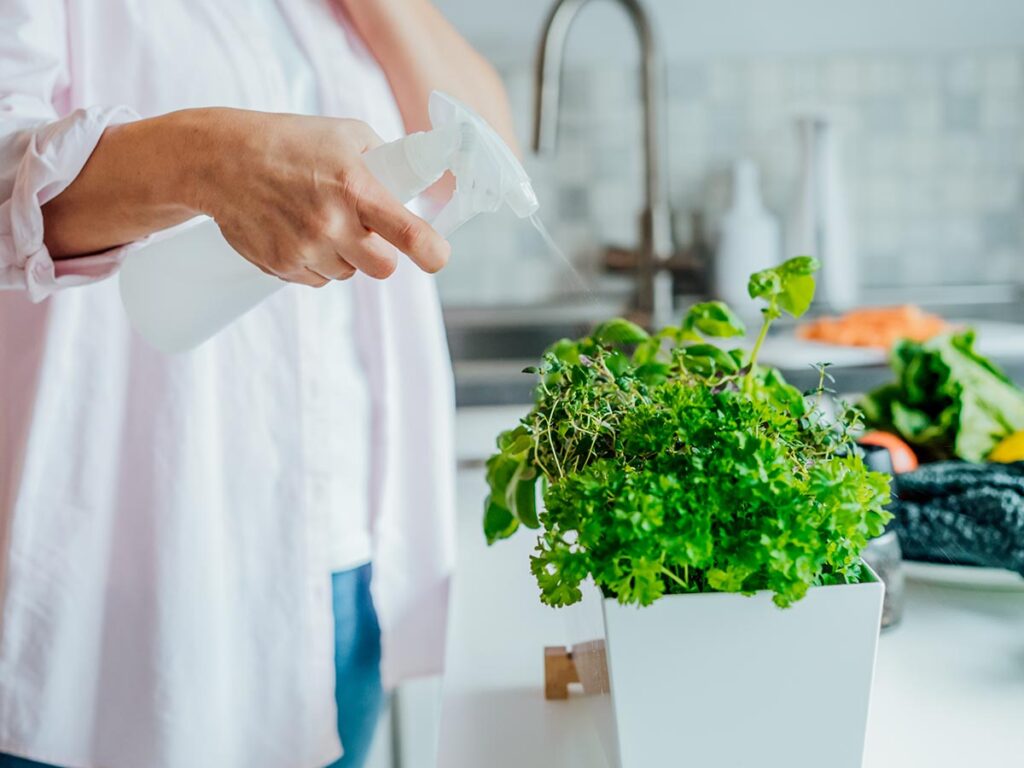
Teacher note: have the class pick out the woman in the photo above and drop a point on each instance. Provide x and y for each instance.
(186, 541)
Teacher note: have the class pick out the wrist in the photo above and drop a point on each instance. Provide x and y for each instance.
(198, 140)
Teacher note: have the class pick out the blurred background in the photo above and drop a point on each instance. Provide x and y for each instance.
(927, 100)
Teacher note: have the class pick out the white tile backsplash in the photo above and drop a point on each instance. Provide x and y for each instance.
(932, 143)
(1004, 73)
(963, 74)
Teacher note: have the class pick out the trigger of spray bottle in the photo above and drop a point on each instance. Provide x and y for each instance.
(407, 166)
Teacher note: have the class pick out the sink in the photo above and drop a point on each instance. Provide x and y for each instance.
(509, 342)
(523, 332)
(488, 360)
(490, 346)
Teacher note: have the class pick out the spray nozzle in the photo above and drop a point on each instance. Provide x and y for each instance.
(483, 160)
(487, 174)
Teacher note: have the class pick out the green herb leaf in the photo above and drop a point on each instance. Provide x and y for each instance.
(525, 501)
(708, 360)
(715, 319)
(764, 284)
(498, 522)
(566, 350)
(800, 266)
(618, 364)
(647, 351)
(797, 294)
(620, 331)
(789, 286)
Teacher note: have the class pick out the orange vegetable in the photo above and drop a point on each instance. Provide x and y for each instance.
(874, 327)
(903, 457)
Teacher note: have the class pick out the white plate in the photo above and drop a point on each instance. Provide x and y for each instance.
(963, 576)
(786, 350)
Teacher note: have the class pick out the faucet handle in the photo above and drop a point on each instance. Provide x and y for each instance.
(683, 263)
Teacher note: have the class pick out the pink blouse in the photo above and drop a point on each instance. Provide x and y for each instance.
(164, 588)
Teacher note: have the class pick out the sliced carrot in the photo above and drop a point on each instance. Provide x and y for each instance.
(879, 327)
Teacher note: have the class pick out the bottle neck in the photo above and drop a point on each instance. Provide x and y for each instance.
(430, 153)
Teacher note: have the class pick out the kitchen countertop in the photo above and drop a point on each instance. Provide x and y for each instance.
(949, 682)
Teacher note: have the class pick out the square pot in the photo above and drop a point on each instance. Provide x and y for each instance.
(730, 681)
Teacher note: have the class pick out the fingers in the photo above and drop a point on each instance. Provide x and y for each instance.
(357, 249)
(305, 276)
(372, 255)
(380, 212)
(345, 270)
(333, 266)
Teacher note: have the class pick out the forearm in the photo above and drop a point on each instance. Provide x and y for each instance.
(420, 51)
(142, 177)
(290, 193)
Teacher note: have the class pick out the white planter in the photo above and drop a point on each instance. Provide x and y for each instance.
(728, 681)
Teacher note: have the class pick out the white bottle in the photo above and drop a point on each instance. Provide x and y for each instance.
(181, 290)
(819, 224)
(749, 241)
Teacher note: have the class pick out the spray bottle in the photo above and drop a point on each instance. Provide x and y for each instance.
(181, 291)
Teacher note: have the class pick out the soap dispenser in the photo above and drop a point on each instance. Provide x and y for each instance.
(749, 240)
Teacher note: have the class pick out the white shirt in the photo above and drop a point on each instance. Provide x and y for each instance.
(337, 442)
(164, 590)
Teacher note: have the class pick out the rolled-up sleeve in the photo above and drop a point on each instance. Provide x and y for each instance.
(41, 150)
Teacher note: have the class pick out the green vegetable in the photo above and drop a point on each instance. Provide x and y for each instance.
(668, 464)
(947, 401)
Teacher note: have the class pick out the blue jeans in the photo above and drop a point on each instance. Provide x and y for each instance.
(357, 669)
(356, 665)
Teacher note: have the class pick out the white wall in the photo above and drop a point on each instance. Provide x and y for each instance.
(508, 29)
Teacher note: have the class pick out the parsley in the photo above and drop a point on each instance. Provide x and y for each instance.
(669, 465)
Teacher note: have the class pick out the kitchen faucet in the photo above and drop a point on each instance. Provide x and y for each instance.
(653, 300)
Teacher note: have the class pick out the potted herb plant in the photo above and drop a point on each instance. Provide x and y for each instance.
(717, 514)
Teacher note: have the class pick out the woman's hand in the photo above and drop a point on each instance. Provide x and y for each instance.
(290, 193)
(293, 196)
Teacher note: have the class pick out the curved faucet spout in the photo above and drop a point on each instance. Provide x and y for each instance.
(655, 246)
(550, 69)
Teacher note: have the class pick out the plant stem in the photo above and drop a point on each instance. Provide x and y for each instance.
(554, 451)
(676, 579)
(769, 315)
